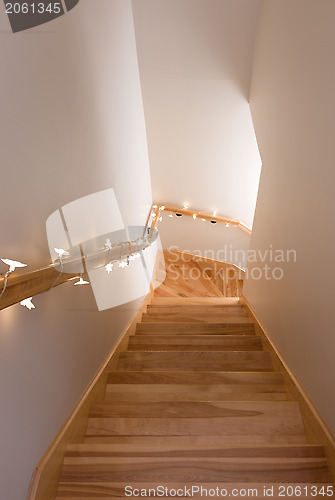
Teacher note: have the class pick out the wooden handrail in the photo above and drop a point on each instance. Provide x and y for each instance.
(20, 287)
(202, 215)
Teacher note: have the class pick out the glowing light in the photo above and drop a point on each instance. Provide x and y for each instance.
(227, 225)
(194, 216)
(214, 213)
(13, 264)
(162, 207)
(109, 267)
(160, 219)
(170, 215)
(108, 244)
(123, 264)
(154, 206)
(154, 215)
(82, 282)
(61, 252)
(203, 220)
(28, 303)
(185, 207)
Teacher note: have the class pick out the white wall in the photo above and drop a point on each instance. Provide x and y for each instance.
(214, 241)
(71, 124)
(292, 103)
(195, 59)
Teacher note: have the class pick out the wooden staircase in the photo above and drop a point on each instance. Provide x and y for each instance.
(194, 401)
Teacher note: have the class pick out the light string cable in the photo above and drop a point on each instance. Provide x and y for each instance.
(5, 275)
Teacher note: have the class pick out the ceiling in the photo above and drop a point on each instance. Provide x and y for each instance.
(195, 60)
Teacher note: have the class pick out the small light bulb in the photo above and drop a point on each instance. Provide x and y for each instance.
(194, 216)
(28, 303)
(122, 264)
(214, 213)
(162, 207)
(227, 225)
(185, 207)
(203, 220)
(160, 219)
(170, 215)
(154, 206)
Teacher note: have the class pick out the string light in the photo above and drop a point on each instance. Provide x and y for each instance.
(214, 213)
(160, 219)
(28, 303)
(194, 216)
(109, 267)
(170, 215)
(82, 282)
(227, 224)
(13, 264)
(154, 206)
(123, 264)
(203, 220)
(61, 252)
(185, 207)
(108, 244)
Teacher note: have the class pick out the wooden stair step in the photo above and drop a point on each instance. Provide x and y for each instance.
(182, 377)
(179, 392)
(189, 450)
(175, 301)
(196, 361)
(178, 469)
(199, 317)
(184, 328)
(196, 308)
(195, 343)
(238, 422)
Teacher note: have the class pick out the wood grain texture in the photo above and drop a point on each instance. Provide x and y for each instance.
(187, 377)
(195, 343)
(199, 317)
(178, 469)
(20, 287)
(184, 392)
(195, 361)
(188, 276)
(183, 328)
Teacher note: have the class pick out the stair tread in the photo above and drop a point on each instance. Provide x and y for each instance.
(203, 409)
(194, 342)
(196, 317)
(176, 328)
(184, 450)
(195, 392)
(187, 377)
(230, 469)
(195, 361)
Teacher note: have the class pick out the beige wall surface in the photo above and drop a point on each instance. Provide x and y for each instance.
(195, 60)
(72, 124)
(292, 103)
